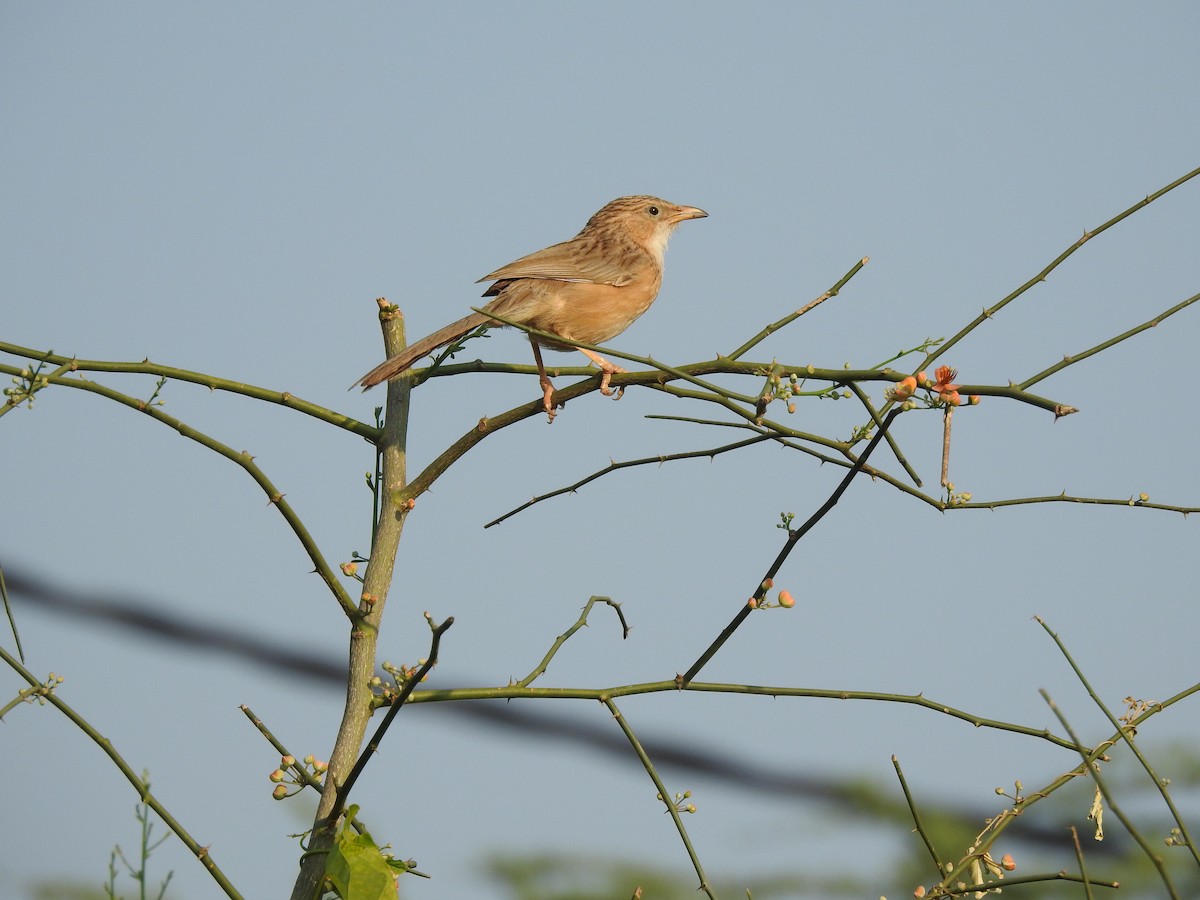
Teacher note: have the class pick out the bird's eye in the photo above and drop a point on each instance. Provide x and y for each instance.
(653, 210)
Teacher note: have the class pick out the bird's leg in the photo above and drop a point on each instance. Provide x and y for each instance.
(544, 381)
(609, 371)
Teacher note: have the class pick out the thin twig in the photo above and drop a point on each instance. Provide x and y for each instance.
(12, 623)
(282, 398)
(310, 780)
(937, 503)
(916, 817)
(410, 684)
(541, 667)
(1071, 498)
(1104, 345)
(1127, 736)
(789, 545)
(968, 890)
(891, 438)
(1051, 266)
(238, 457)
(672, 809)
(200, 852)
(659, 375)
(1021, 805)
(620, 379)
(617, 466)
(791, 317)
(1093, 770)
(947, 418)
(1087, 888)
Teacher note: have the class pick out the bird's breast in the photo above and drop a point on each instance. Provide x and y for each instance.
(590, 313)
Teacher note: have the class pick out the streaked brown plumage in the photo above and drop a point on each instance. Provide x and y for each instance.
(587, 289)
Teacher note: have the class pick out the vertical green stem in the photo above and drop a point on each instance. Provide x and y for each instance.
(364, 629)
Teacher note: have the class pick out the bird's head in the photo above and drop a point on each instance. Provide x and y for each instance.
(646, 220)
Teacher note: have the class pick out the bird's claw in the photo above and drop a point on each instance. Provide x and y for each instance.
(606, 388)
(548, 400)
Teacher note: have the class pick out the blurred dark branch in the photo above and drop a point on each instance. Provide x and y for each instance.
(684, 754)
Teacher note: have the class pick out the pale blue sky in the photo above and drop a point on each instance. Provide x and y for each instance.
(227, 187)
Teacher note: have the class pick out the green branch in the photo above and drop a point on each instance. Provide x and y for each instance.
(281, 398)
(792, 317)
(200, 852)
(238, 457)
(1051, 266)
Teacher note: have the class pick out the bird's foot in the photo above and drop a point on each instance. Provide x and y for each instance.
(548, 400)
(605, 388)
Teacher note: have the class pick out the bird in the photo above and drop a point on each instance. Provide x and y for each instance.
(588, 289)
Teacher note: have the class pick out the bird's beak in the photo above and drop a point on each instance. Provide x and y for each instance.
(686, 212)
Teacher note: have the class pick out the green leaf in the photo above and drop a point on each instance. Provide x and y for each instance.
(358, 869)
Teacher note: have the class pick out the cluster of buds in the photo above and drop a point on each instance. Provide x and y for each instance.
(385, 692)
(299, 776)
(778, 389)
(785, 599)
(25, 386)
(1016, 796)
(978, 863)
(956, 498)
(943, 388)
(681, 804)
(42, 691)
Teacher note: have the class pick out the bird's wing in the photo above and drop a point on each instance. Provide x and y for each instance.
(573, 260)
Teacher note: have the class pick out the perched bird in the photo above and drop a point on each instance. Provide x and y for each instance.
(588, 289)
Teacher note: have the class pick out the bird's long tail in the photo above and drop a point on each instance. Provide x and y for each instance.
(402, 361)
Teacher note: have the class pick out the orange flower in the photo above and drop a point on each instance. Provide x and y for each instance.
(945, 375)
(903, 389)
